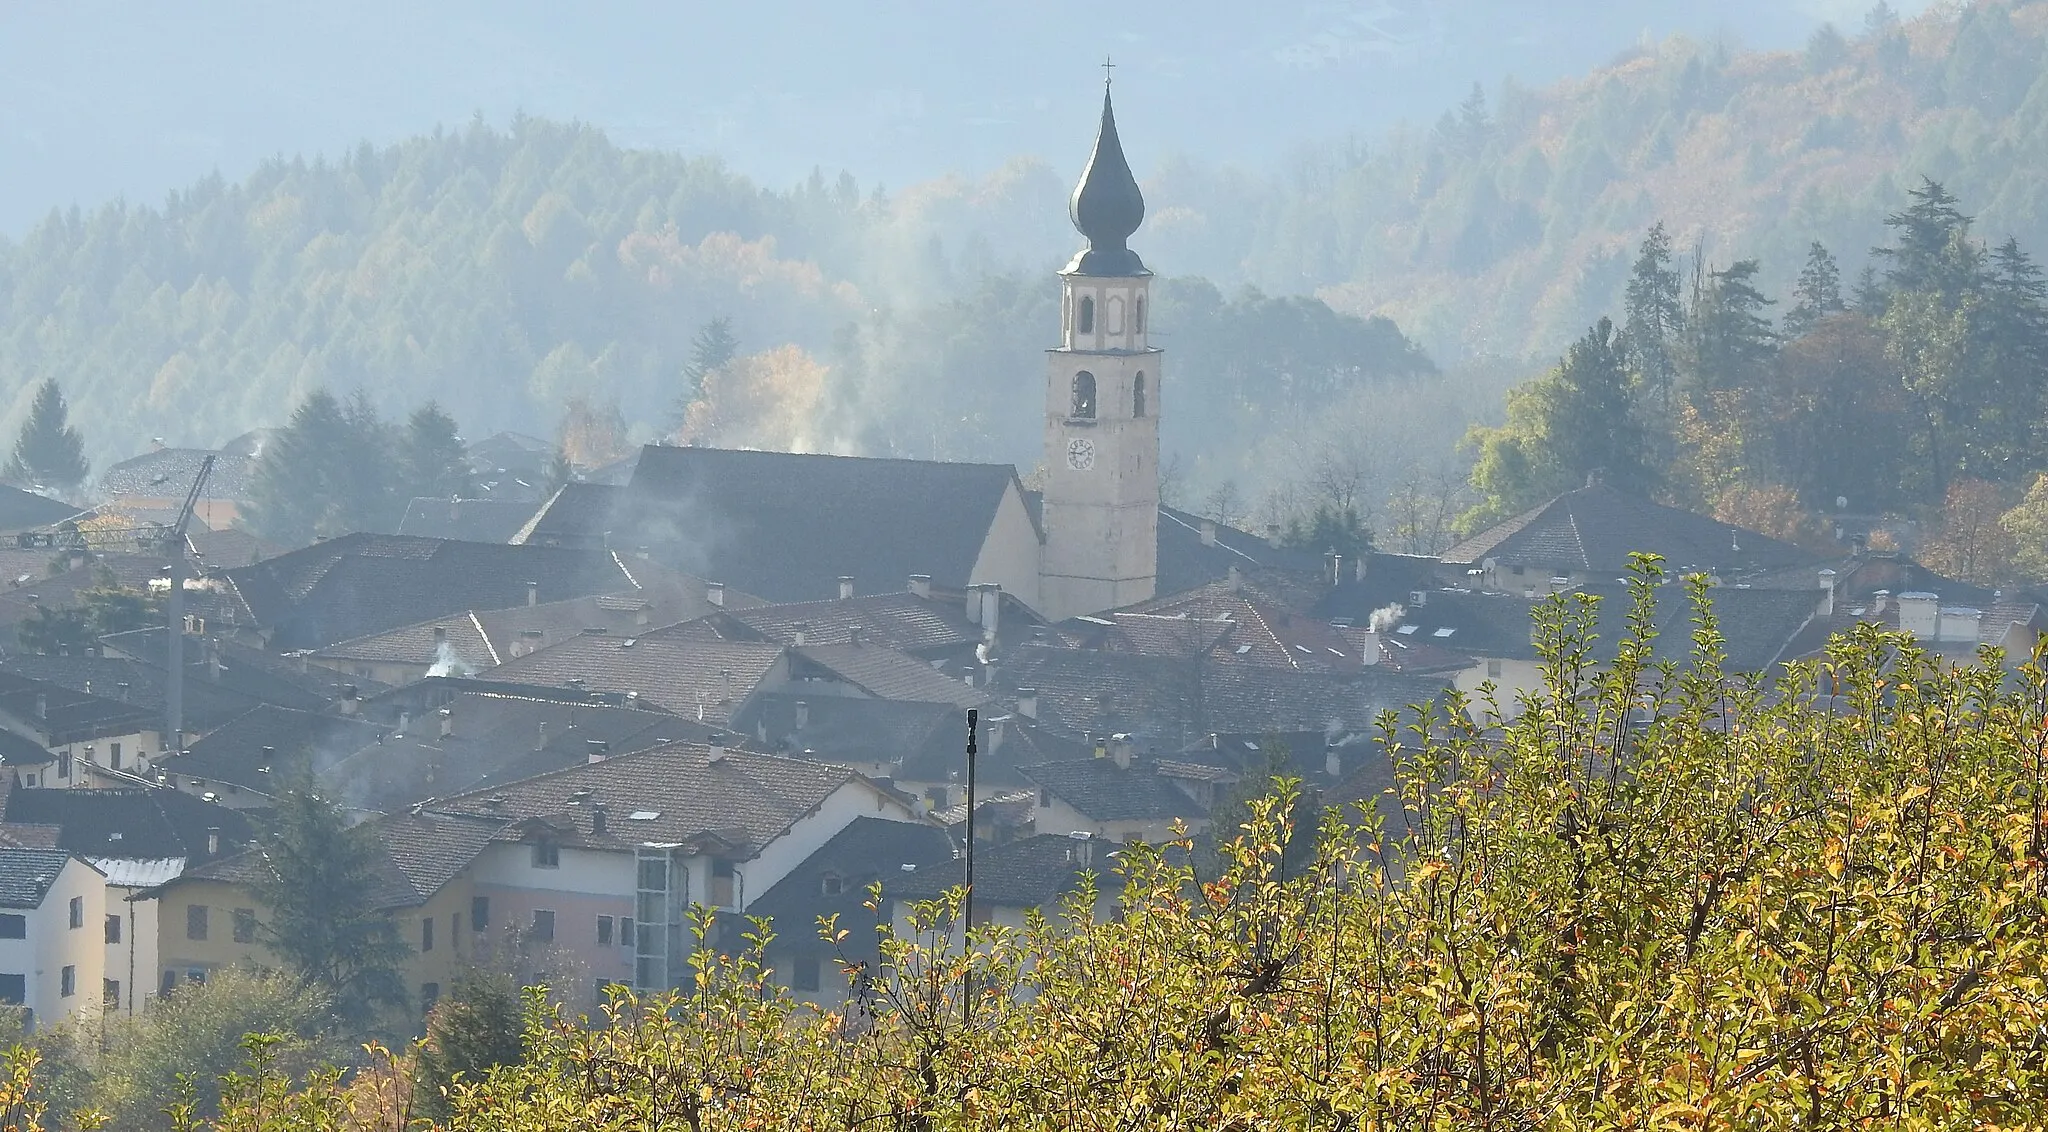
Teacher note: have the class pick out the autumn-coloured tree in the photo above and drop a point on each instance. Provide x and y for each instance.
(1661, 897)
(1773, 509)
(1969, 540)
(767, 400)
(593, 434)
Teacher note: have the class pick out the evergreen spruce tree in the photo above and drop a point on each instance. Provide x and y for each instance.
(714, 347)
(291, 489)
(317, 887)
(1818, 293)
(431, 459)
(49, 452)
(363, 472)
(1654, 319)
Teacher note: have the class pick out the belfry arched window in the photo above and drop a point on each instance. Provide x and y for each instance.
(1138, 395)
(1138, 315)
(1084, 322)
(1084, 395)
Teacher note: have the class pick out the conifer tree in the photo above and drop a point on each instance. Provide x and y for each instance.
(431, 457)
(49, 451)
(317, 887)
(1818, 293)
(1654, 318)
(714, 347)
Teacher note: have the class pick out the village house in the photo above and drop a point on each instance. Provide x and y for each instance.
(53, 959)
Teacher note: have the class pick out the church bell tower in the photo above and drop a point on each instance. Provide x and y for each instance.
(1102, 402)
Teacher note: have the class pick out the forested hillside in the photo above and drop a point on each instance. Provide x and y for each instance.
(509, 274)
(1508, 226)
(516, 274)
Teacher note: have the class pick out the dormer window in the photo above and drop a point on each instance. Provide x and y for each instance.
(1084, 322)
(547, 855)
(1138, 395)
(1084, 395)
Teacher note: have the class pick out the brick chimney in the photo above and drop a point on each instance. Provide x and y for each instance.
(1208, 532)
(533, 593)
(447, 723)
(596, 750)
(921, 586)
(1027, 702)
(845, 586)
(714, 592)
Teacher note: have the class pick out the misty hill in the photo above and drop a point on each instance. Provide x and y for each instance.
(1509, 226)
(511, 273)
(98, 101)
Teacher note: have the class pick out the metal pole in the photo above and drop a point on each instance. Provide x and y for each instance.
(174, 678)
(967, 896)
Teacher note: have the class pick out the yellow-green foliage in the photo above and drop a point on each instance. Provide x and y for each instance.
(1817, 906)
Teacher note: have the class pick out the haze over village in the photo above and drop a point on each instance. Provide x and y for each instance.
(1509, 604)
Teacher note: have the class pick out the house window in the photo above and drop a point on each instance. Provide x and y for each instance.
(31, 780)
(1493, 670)
(13, 926)
(113, 929)
(114, 755)
(604, 931)
(543, 925)
(1085, 321)
(547, 855)
(195, 921)
(1138, 395)
(1084, 396)
(64, 765)
(430, 993)
(626, 931)
(77, 912)
(196, 976)
(479, 913)
(13, 989)
(110, 993)
(169, 983)
(806, 974)
(831, 884)
(245, 925)
(426, 933)
(67, 982)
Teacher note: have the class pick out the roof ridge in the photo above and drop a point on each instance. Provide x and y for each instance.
(477, 624)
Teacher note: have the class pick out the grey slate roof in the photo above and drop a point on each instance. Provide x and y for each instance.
(868, 850)
(1031, 872)
(786, 525)
(167, 474)
(301, 744)
(471, 520)
(1597, 527)
(1104, 791)
(150, 824)
(884, 673)
(1175, 702)
(362, 583)
(27, 874)
(208, 704)
(1185, 561)
(697, 679)
(692, 793)
(25, 510)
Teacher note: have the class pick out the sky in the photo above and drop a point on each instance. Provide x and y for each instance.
(101, 100)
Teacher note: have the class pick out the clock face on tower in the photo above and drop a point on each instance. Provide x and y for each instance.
(1080, 454)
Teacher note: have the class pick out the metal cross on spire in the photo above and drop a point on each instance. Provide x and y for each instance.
(1106, 65)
